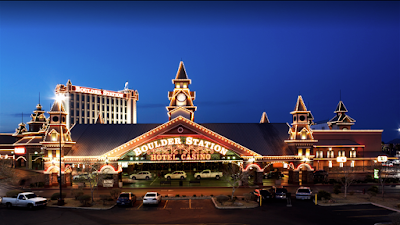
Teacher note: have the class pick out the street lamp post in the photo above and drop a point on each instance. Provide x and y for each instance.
(60, 200)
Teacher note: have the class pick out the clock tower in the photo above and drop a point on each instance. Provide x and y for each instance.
(181, 98)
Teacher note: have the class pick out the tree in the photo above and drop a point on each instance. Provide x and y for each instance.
(347, 179)
(92, 177)
(234, 176)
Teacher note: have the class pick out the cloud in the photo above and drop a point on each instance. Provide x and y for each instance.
(216, 103)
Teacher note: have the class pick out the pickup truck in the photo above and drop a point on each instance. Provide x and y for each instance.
(25, 199)
(208, 174)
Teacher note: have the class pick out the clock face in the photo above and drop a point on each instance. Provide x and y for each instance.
(181, 97)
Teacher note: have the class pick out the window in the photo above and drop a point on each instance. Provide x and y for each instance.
(352, 163)
(77, 113)
(83, 106)
(307, 152)
(93, 107)
(98, 99)
(108, 101)
(88, 114)
(72, 96)
(77, 105)
(330, 154)
(77, 98)
(353, 154)
(72, 113)
(330, 164)
(300, 152)
(87, 98)
(321, 154)
(112, 101)
(92, 98)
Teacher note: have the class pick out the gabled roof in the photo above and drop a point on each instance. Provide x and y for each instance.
(264, 118)
(340, 108)
(99, 139)
(300, 106)
(181, 74)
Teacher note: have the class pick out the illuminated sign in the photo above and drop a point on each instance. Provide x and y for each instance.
(98, 92)
(19, 150)
(376, 173)
(341, 159)
(382, 158)
(189, 141)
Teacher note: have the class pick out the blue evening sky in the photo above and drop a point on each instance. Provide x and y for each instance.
(243, 57)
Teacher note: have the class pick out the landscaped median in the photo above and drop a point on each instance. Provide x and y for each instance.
(239, 202)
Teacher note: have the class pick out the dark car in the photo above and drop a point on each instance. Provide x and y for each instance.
(279, 193)
(264, 193)
(126, 199)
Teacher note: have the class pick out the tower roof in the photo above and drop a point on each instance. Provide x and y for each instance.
(264, 118)
(300, 106)
(181, 74)
(57, 107)
(341, 108)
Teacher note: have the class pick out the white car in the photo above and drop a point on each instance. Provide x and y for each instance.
(176, 175)
(141, 175)
(152, 198)
(303, 193)
(82, 176)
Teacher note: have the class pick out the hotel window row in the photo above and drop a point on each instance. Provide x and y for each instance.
(331, 154)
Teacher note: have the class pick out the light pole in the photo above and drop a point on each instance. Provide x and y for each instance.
(60, 98)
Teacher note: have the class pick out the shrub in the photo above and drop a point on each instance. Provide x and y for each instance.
(76, 193)
(222, 198)
(166, 196)
(105, 198)
(201, 195)
(56, 195)
(183, 195)
(212, 195)
(373, 189)
(194, 195)
(115, 193)
(13, 193)
(323, 194)
(84, 199)
(177, 195)
(351, 193)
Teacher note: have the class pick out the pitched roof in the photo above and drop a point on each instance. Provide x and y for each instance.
(181, 74)
(340, 107)
(98, 139)
(7, 139)
(264, 118)
(56, 107)
(300, 106)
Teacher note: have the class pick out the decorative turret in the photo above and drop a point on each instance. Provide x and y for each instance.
(301, 138)
(341, 121)
(302, 119)
(20, 130)
(264, 118)
(57, 127)
(38, 120)
(181, 99)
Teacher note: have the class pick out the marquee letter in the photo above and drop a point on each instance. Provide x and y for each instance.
(156, 144)
(137, 151)
(212, 146)
(195, 141)
(189, 140)
(217, 148)
(177, 141)
(163, 142)
(150, 145)
(201, 143)
(208, 156)
(224, 151)
(144, 148)
(183, 157)
(207, 143)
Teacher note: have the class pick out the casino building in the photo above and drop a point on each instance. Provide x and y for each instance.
(182, 144)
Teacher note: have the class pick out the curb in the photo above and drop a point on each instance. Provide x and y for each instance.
(89, 208)
(382, 206)
(232, 207)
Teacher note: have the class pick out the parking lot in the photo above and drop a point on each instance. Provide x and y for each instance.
(188, 204)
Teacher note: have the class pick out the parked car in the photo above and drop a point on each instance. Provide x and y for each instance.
(141, 175)
(208, 174)
(388, 163)
(274, 175)
(303, 193)
(176, 175)
(82, 176)
(279, 193)
(152, 198)
(126, 199)
(25, 199)
(264, 193)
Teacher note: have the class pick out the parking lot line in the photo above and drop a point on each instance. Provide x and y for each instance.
(153, 181)
(165, 204)
(140, 205)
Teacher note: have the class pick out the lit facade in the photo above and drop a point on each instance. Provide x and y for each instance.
(90, 105)
(111, 146)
